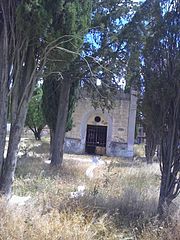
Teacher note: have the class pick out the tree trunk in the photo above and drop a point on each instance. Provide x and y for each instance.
(37, 134)
(170, 162)
(58, 142)
(21, 94)
(150, 147)
(9, 166)
(4, 77)
(165, 196)
(52, 134)
(3, 124)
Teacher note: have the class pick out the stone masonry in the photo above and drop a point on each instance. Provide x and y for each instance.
(119, 123)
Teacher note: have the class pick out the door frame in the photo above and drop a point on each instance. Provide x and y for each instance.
(98, 132)
(83, 128)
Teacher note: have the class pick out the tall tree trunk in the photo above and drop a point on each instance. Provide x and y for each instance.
(21, 94)
(58, 142)
(4, 77)
(163, 197)
(166, 187)
(9, 166)
(170, 160)
(3, 124)
(150, 146)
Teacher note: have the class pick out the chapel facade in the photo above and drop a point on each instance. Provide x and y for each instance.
(105, 132)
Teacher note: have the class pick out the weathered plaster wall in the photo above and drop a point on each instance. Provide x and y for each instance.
(117, 121)
(119, 117)
(120, 121)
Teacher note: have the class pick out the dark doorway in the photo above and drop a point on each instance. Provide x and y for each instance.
(96, 139)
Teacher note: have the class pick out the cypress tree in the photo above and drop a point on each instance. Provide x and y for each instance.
(32, 34)
(76, 19)
(50, 102)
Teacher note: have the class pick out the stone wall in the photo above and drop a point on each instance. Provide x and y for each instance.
(120, 116)
(116, 120)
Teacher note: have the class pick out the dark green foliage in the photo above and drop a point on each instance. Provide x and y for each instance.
(74, 19)
(32, 18)
(161, 105)
(62, 23)
(71, 106)
(35, 35)
(68, 26)
(35, 119)
(159, 51)
(51, 95)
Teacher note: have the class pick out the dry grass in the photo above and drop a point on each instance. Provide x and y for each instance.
(119, 203)
(139, 150)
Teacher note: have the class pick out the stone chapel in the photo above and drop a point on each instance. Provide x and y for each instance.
(100, 132)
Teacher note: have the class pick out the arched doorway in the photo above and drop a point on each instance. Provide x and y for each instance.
(96, 139)
(96, 134)
(89, 119)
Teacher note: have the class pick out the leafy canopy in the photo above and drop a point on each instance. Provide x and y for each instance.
(35, 119)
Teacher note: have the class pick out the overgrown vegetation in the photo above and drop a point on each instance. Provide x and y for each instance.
(119, 202)
(34, 35)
